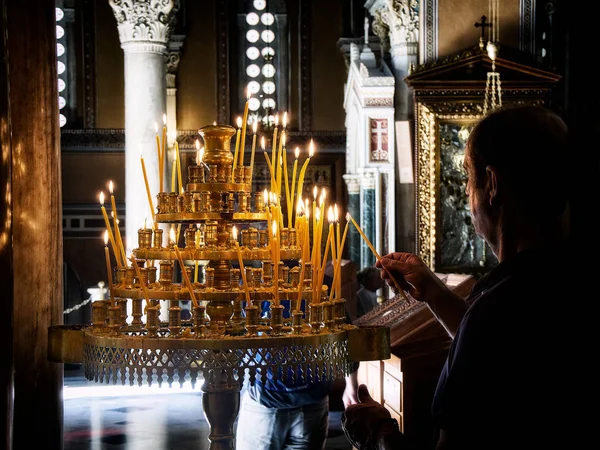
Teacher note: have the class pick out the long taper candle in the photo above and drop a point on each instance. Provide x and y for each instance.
(337, 272)
(296, 154)
(147, 188)
(178, 156)
(116, 223)
(141, 280)
(237, 144)
(241, 263)
(163, 150)
(183, 271)
(108, 269)
(116, 251)
(378, 257)
(254, 129)
(311, 152)
(274, 147)
(159, 153)
(244, 124)
(173, 172)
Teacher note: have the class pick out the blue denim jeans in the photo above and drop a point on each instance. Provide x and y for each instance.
(300, 428)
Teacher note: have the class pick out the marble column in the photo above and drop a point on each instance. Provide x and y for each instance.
(144, 29)
(398, 22)
(368, 218)
(353, 238)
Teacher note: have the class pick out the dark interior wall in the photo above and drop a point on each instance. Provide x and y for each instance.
(328, 67)
(110, 80)
(197, 73)
(456, 19)
(99, 169)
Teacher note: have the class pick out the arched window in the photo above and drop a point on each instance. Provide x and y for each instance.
(264, 55)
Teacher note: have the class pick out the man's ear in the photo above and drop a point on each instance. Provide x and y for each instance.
(492, 178)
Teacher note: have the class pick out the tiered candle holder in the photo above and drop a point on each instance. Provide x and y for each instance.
(226, 338)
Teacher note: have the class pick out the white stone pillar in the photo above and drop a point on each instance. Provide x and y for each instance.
(144, 32)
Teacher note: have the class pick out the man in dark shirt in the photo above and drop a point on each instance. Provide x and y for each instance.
(515, 372)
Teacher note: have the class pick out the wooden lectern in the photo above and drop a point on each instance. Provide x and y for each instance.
(405, 383)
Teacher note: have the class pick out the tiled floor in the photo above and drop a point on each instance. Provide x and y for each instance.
(98, 417)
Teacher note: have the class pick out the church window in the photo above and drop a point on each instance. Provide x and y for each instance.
(61, 64)
(263, 59)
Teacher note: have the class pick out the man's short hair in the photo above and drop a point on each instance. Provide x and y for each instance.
(528, 145)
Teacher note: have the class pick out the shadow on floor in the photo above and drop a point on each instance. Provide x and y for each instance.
(99, 417)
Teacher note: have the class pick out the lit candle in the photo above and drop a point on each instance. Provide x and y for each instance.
(109, 231)
(274, 147)
(280, 162)
(254, 129)
(311, 152)
(297, 154)
(337, 278)
(178, 158)
(275, 246)
(306, 248)
(267, 208)
(378, 257)
(237, 144)
(116, 223)
(338, 247)
(108, 269)
(173, 173)
(163, 150)
(241, 263)
(329, 243)
(269, 165)
(159, 152)
(147, 186)
(244, 124)
(183, 271)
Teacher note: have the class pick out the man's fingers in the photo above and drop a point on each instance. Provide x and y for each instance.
(363, 394)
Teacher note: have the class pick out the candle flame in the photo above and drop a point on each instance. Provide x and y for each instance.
(330, 216)
(336, 214)
(248, 94)
(262, 142)
(234, 232)
(299, 207)
(239, 122)
(266, 197)
(174, 134)
(164, 119)
(255, 127)
(156, 127)
(215, 123)
(172, 235)
(315, 192)
(306, 208)
(285, 119)
(318, 215)
(105, 237)
(297, 152)
(201, 154)
(110, 187)
(311, 148)
(274, 226)
(277, 119)
(198, 226)
(197, 144)
(283, 138)
(145, 221)
(348, 217)
(101, 196)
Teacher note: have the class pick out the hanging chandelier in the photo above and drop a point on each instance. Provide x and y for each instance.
(493, 85)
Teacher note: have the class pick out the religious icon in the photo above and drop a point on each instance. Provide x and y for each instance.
(379, 140)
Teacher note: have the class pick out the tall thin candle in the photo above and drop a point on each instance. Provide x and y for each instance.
(244, 124)
(147, 187)
(378, 257)
(163, 150)
(116, 223)
(297, 154)
(173, 172)
(184, 272)
(159, 152)
(254, 129)
(311, 152)
(108, 269)
(178, 156)
(141, 280)
(116, 251)
(241, 263)
(237, 144)
(337, 278)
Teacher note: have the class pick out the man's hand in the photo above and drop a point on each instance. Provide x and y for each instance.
(365, 422)
(350, 395)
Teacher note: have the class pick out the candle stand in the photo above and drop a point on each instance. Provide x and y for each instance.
(226, 341)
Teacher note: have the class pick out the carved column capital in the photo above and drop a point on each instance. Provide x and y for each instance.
(400, 17)
(352, 182)
(144, 24)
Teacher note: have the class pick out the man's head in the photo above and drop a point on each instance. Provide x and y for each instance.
(516, 163)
